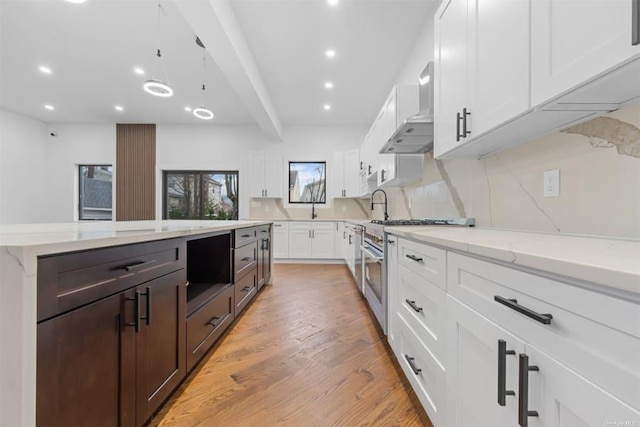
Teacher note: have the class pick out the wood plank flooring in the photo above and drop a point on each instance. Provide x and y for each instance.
(305, 353)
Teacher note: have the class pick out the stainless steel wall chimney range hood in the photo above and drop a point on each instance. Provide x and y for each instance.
(415, 134)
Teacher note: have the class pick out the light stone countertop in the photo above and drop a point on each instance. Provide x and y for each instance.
(349, 220)
(613, 263)
(41, 239)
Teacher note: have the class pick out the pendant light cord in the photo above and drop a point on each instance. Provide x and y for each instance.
(159, 53)
(204, 65)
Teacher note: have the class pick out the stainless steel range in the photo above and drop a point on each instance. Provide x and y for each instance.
(374, 263)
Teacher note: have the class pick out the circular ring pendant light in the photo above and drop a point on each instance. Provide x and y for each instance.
(202, 112)
(158, 86)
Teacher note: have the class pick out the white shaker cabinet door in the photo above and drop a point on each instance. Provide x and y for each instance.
(450, 71)
(299, 243)
(322, 243)
(573, 41)
(563, 398)
(499, 62)
(475, 371)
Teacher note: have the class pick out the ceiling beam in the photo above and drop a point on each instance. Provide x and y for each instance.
(215, 23)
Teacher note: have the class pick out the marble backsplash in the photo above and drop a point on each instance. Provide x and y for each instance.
(599, 163)
(339, 209)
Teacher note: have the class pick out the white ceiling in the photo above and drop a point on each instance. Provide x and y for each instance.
(93, 48)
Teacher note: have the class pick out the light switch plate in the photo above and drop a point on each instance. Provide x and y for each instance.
(551, 183)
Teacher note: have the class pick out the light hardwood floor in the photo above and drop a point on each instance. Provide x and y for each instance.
(305, 353)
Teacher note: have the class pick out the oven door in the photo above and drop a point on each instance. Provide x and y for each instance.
(374, 283)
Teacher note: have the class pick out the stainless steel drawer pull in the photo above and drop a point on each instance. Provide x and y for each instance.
(246, 289)
(139, 265)
(513, 304)
(413, 305)
(246, 235)
(523, 391)
(246, 259)
(414, 258)
(414, 368)
(213, 322)
(502, 372)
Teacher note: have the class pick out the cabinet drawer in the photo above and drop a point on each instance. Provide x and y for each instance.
(246, 259)
(427, 380)
(245, 289)
(426, 261)
(245, 235)
(263, 231)
(422, 305)
(206, 325)
(67, 281)
(596, 335)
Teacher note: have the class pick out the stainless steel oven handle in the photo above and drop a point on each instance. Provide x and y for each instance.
(371, 254)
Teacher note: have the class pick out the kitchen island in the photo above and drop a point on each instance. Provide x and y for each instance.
(24, 246)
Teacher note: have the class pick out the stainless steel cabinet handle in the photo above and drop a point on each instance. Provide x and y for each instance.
(513, 304)
(382, 179)
(246, 289)
(246, 259)
(213, 322)
(413, 305)
(266, 192)
(391, 242)
(502, 372)
(414, 368)
(635, 22)
(523, 391)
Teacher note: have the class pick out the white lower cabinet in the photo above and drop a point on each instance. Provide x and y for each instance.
(280, 239)
(311, 240)
(476, 373)
(513, 347)
(562, 398)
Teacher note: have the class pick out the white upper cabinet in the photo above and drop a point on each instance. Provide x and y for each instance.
(450, 91)
(482, 68)
(266, 175)
(511, 71)
(347, 173)
(574, 41)
(396, 169)
(498, 62)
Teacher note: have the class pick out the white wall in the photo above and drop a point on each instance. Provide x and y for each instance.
(23, 162)
(76, 144)
(421, 54)
(185, 147)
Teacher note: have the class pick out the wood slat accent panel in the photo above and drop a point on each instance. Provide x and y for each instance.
(135, 172)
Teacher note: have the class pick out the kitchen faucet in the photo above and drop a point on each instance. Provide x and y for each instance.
(386, 215)
(314, 214)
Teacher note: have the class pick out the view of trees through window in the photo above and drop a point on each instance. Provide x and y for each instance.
(201, 195)
(307, 182)
(95, 192)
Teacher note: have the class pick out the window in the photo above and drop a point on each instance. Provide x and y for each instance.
(201, 195)
(95, 192)
(307, 182)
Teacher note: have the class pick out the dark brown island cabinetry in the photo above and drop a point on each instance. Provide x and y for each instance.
(210, 293)
(112, 356)
(119, 327)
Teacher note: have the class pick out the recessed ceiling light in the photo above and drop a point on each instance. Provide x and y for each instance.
(49, 107)
(187, 109)
(44, 69)
(332, 2)
(119, 108)
(328, 85)
(139, 71)
(330, 53)
(327, 107)
(76, 1)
